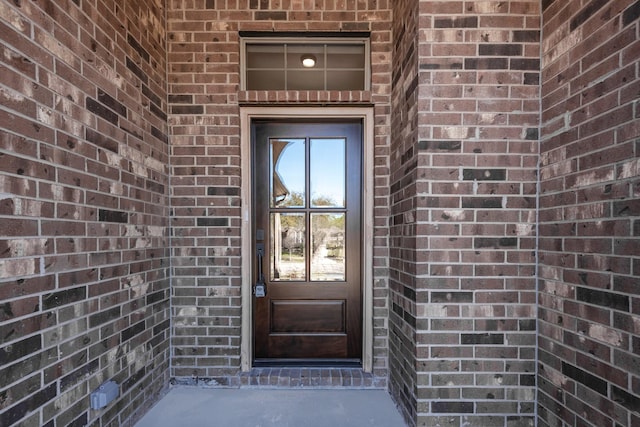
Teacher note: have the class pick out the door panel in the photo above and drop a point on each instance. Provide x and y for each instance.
(311, 317)
(307, 224)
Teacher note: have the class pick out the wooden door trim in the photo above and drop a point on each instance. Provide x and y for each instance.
(247, 114)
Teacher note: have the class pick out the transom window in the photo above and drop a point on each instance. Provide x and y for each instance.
(305, 63)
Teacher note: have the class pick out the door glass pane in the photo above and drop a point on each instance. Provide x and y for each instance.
(327, 172)
(287, 255)
(327, 247)
(287, 176)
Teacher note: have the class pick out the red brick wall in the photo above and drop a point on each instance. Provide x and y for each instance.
(204, 96)
(463, 210)
(83, 209)
(590, 214)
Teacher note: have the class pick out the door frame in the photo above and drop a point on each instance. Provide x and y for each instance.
(247, 114)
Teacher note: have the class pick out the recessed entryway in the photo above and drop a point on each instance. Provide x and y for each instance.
(307, 208)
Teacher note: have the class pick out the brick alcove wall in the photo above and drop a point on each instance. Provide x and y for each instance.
(403, 245)
(84, 279)
(589, 277)
(463, 209)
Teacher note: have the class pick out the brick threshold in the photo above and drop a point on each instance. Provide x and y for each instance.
(288, 378)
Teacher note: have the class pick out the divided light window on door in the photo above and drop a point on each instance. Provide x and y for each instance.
(327, 173)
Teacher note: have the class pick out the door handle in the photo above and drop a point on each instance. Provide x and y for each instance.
(260, 288)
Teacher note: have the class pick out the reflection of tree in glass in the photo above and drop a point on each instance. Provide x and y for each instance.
(328, 230)
(323, 201)
(296, 199)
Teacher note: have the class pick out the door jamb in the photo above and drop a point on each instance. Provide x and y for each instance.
(246, 115)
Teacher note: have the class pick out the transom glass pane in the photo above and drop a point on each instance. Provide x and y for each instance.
(344, 80)
(327, 172)
(265, 56)
(346, 56)
(295, 52)
(305, 80)
(327, 247)
(265, 79)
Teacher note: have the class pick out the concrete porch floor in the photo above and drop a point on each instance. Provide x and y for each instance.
(251, 407)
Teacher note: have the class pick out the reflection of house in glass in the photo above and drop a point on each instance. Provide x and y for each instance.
(335, 244)
(279, 191)
(288, 246)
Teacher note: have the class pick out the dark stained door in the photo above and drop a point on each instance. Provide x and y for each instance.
(307, 240)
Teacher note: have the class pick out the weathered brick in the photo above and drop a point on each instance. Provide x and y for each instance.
(136, 70)
(16, 350)
(452, 407)
(101, 110)
(187, 109)
(486, 64)
(526, 36)
(500, 49)
(275, 15)
(606, 299)
(17, 412)
(467, 22)
(213, 222)
(631, 14)
(485, 174)
(481, 339)
(107, 215)
(138, 48)
(586, 13)
(526, 64)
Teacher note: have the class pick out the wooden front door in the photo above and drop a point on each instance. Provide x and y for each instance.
(307, 241)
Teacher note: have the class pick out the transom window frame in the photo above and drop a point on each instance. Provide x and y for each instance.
(306, 39)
